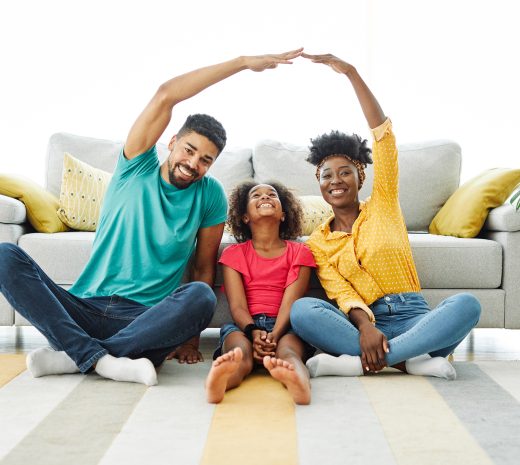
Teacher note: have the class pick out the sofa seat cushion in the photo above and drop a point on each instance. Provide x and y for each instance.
(62, 255)
(445, 262)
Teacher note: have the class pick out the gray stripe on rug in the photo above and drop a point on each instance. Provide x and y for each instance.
(82, 427)
(340, 426)
(489, 412)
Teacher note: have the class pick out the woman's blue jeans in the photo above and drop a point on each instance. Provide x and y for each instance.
(409, 325)
(89, 328)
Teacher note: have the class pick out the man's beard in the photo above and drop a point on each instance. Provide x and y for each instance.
(174, 181)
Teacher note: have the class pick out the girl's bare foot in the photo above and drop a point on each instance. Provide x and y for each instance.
(221, 369)
(297, 384)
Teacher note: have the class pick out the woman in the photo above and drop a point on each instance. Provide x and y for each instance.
(365, 263)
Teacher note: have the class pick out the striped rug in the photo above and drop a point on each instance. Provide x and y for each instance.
(386, 419)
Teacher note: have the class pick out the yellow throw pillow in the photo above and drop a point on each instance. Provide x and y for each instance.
(82, 190)
(465, 212)
(41, 205)
(315, 212)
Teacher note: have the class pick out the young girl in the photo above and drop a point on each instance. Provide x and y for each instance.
(263, 275)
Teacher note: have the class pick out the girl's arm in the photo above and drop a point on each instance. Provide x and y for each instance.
(236, 296)
(292, 292)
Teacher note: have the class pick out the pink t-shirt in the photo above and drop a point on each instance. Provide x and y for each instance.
(265, 279)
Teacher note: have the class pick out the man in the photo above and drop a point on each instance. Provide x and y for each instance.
(126, 313)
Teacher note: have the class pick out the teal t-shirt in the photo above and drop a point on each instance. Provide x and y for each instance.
(147, 231)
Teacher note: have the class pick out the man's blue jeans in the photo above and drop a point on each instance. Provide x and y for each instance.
(87, 329)
(410, 327)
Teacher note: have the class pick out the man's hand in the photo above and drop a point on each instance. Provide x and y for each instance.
(187, 352)
(374, 346)
(334, 62)
(262, 346)
(262, 62)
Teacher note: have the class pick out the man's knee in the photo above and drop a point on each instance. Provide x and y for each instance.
(10, 255)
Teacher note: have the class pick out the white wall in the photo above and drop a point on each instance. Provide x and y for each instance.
(443, 69)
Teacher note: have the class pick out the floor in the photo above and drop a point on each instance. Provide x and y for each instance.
(481, 344)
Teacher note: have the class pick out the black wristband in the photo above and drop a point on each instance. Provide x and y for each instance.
(248, 330)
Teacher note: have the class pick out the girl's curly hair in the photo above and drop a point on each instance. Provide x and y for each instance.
(290, 229)
(339, 143)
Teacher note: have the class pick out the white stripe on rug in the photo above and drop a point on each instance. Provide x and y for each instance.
(340, 426)
(26, 401)
(82, 427)
(419, 425)
(170, 424)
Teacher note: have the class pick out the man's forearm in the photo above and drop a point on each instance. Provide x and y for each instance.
(187, 85)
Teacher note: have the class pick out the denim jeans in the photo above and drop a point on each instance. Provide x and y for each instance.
(89, 328)
(410, 327)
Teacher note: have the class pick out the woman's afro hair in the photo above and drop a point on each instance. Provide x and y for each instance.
(339, 143)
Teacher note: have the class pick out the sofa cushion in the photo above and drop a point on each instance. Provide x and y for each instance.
(429, 173)
(315, 212)
(82, 190)
(445, 262)
(62, 255)
(40, 205)
(285, 163)
(466, 210)
(232, 167)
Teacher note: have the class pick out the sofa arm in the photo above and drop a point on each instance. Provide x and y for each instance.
(12, 211)
(503, 218)
(510, 242)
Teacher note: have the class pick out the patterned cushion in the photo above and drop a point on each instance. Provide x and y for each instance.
(82, 190)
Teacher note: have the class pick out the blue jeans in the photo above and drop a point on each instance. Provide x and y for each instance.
(89, 328)
(410, 327)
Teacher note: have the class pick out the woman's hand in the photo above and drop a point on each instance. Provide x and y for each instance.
(334, 62)
(374, 346)
(262, 62)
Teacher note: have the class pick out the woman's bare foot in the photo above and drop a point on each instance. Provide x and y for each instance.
(297, 384)
(221, 370)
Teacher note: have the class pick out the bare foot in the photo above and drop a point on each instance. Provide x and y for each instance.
(221, 369)
(297, 384)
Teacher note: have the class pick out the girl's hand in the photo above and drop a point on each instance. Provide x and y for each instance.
(328, 59)
(261, 345)
(374, 346)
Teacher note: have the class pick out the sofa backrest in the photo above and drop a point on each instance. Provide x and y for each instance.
(231, 166)
(429, 173)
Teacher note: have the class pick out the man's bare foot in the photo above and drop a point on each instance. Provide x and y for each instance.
(297, 384)
(221, 369)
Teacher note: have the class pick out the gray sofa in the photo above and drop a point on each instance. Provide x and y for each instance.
(487, 266)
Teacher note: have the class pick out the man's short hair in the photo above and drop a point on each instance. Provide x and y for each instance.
(206, 126)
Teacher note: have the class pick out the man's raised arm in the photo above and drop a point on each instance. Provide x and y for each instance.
(154, 119)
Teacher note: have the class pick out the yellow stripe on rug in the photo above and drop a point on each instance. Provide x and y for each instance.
(418, 424)
(11, 365)
(255, 425)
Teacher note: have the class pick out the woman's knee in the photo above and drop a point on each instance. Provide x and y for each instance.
(469, 305)
(306, 312)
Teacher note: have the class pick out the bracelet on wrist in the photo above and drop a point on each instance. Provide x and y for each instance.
(248, 330)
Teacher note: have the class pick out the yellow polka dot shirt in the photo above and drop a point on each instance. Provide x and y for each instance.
(357, 268)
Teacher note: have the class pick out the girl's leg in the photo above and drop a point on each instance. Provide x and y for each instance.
(288, 368)
(229, 370)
